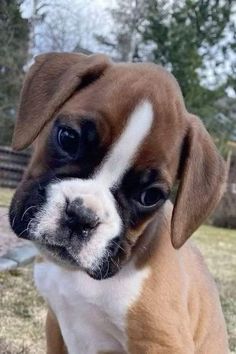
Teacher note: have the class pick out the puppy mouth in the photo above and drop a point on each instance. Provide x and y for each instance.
(58, 253)
(70, 234)
(107, 269)
(61, 254)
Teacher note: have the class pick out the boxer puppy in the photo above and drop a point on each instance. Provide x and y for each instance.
(110, 143)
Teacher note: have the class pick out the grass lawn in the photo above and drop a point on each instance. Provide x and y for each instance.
(22, 312)
(219, 248)
(5, 196)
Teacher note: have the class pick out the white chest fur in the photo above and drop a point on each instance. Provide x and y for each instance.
(91, 313)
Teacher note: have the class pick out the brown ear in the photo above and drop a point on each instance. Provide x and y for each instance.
(202, 177)
(49, 83)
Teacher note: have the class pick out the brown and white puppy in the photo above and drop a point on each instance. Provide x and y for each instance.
(110, 141)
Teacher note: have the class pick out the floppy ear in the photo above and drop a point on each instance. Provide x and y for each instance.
(49, 83)
(202, 176)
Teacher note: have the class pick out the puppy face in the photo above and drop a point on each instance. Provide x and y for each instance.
(103, 166)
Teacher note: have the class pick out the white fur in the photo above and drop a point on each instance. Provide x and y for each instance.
(47, 219)
(92, 314)
(95, 192)
(125, 149)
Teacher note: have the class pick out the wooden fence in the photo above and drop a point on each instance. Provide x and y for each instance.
(12, 166)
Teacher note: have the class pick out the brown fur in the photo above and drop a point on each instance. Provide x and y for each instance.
(55, 343)
(51, 81)
(179, 310)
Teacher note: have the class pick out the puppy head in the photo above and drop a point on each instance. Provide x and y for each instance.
(109, 141)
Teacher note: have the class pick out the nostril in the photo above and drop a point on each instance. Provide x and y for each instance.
(89, 223)
(72, 208)
(79, 217)
(92, 222)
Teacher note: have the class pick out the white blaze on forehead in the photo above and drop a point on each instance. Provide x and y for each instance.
(124, 150)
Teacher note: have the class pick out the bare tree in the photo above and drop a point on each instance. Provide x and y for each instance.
(59, 25)
(13, 48)
(124, 40)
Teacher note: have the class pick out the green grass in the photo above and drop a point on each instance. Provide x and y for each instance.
(6, 196)
(22, 311)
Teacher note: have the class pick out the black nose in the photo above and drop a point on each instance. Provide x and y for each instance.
(80, 218)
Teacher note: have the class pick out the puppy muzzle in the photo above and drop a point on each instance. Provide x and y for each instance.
(78, 225)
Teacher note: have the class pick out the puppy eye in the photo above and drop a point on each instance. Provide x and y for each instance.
(68, 140)
(151, 196)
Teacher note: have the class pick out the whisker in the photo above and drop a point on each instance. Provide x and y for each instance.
(32, 206)
(115, 264)
(100, 271)
(115, 243)
(13, 221)
(108, 267)
(23, 232)
(27, 228)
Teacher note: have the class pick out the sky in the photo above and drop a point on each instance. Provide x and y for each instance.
(27, 5)
(79, 20)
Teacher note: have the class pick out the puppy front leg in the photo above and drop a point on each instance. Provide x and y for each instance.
(55, 342)
(154, 340)
(150, 348)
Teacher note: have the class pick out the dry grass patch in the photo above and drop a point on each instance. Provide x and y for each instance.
(22, 314)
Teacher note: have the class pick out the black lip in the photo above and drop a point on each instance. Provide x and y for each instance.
(58, 254)
(106, 270)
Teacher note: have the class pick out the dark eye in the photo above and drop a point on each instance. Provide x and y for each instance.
(68, 140)
(151, 196)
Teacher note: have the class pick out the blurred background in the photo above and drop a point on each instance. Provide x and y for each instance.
(196, 41)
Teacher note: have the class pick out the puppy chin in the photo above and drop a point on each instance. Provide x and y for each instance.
(106, 269)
